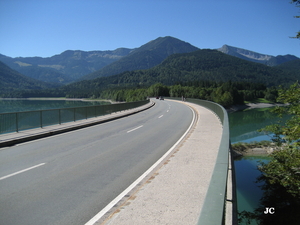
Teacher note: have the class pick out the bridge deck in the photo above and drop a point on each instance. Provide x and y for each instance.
(175, 193)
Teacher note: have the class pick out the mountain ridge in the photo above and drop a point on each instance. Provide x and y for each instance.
(66, 66)
(249, 55)
(146, 56)
(72, 65)
(201, 65)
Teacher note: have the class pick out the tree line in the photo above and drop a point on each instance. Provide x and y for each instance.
(225, 93)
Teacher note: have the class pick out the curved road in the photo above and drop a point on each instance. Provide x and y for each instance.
(69, 178)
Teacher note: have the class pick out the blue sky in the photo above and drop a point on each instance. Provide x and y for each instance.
(48, 27)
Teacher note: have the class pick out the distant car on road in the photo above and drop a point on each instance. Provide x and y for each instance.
(161, 98)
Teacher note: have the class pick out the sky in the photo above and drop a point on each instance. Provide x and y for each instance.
(48, 27)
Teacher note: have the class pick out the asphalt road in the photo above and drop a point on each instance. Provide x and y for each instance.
(69, 178)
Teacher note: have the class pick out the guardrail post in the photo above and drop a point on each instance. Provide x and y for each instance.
(17, 127)
(74, 114)
(59, 117)
(41, 119)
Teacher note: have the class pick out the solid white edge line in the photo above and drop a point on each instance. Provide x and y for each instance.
(21, 171)
(134, 129)
(137, 181)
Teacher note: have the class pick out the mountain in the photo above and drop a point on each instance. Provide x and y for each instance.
(65, 67)
(72, 65)
(11, 80)
(256, 57)
(145, 57)
(213, 65)
(291, 67)
(201, 65)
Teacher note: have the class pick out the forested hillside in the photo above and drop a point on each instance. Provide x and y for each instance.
(45, 74)
(291, 67)
(213, 65)
(12, 81)
(201, 65)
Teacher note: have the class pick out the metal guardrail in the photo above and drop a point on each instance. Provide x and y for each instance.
(17, 121)
(213, 210)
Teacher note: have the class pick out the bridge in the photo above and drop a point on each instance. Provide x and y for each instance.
(190, 183)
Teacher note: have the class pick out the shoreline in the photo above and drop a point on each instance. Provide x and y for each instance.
(62, 99)
(263, 148)
(266, 151)
(235, 108)
(249, 149)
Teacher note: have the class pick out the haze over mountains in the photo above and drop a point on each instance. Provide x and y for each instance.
(73, 65)
(152, 57)
(65, 67)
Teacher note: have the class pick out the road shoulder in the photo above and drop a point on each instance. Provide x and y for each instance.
(175, 192)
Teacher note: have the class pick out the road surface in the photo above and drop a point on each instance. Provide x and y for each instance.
(69, 178)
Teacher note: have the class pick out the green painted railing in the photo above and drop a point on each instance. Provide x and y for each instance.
(213, 210)
(18, 121)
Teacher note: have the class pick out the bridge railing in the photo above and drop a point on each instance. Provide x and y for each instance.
(213, 210)
(18, 121)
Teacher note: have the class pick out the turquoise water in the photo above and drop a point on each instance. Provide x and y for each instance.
(243, 128)
(19, 105)
(248, 191)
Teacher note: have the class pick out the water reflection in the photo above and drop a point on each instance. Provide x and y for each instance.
(249, 192)
(244, 125)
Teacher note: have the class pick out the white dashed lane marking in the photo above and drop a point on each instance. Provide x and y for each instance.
(134, 129)
(21, 171)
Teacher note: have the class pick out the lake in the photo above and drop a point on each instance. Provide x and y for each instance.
(20, 105)
(243, 128)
